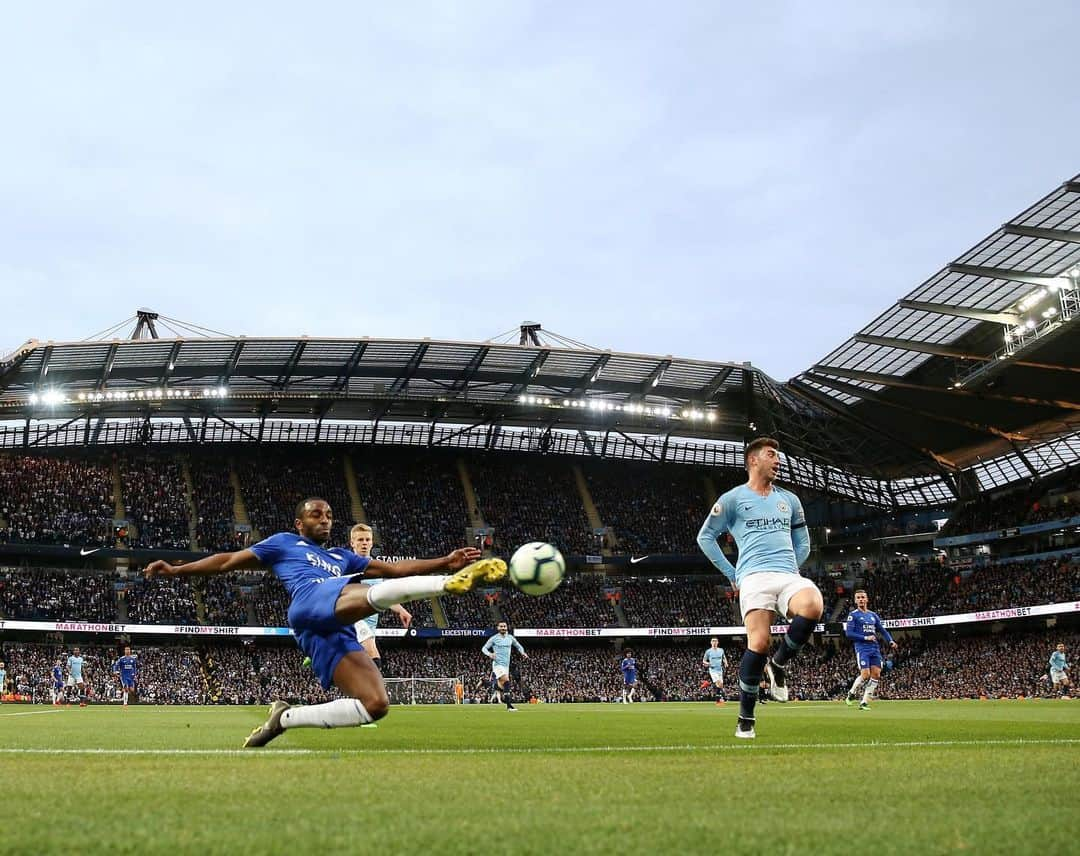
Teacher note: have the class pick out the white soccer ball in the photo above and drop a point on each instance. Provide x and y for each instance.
(537, 568)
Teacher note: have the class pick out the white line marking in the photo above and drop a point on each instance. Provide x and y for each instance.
(31, 712)
(562, 750)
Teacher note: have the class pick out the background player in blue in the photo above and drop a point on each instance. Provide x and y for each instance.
(713, 659)
(628, 667)
(1059, 670)
(497, 649)
(769, 528)
(327, 596)
(126, 668)
(57, 683)
(75, 676)
(862, 627)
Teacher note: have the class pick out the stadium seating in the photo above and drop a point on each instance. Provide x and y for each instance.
(56, 500)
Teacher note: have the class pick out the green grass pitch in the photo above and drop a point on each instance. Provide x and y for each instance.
(906, 777)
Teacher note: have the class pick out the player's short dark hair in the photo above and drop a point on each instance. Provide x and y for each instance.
(860, 591)
(759, 443)
(300, 506)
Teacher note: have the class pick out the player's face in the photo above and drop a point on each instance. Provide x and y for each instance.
(127, 651)
(765, 463)
(715, 643)
(502, 628)
(361, 542)
(861, 600)
(1061, 647)
(316, 521)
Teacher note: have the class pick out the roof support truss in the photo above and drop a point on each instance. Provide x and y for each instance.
(1004, 273)
(1065, 235)
(1010, 318)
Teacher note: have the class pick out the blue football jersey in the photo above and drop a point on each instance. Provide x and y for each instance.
(297, 561)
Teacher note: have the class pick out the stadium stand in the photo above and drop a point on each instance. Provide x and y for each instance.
(155, 501)
(55, 500)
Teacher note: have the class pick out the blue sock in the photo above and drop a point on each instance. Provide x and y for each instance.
(750, 669)
(799, 632)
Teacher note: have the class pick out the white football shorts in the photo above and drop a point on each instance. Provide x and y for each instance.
(770, 590)
(500, 671)
(717, 677)
(1058, 675)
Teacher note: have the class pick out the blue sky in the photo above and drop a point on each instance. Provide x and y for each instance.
(698, 179)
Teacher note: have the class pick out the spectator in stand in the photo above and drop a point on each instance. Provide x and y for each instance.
(155, 501)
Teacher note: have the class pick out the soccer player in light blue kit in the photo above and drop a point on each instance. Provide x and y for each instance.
(862, 627)
(1059, 670)
(628, 667)
(713, 660)
(57, 684)
(327, 596)
(769, 528)
(126, 669)
(497, 649)
(3, 681)
(75, 675)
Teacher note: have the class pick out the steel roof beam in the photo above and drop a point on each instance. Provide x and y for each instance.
(342, 381)
(526, 377)
(653, 380)
(43, 369)
(170, 364)
(290, 365)
(918, 347)
(402, 380)
(471, 368)
(1004, 273)
(1065, 235)
(717, 383)
(899, 383)
(960, 312)
(233, 361)
(591, 376)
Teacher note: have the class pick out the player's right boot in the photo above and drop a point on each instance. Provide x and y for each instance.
(484, 570)
(270, 729)
(745, 729)
(864, 706)
(849, 701)
(777, 681)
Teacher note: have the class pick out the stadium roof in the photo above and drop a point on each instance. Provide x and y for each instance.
(969, 382)
(980, 363)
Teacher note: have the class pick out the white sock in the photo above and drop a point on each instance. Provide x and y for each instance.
(406, 589)
(855, 686)
(868, 693)
(340, 713)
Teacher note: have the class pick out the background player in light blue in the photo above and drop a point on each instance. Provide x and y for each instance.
(3, 681)
(326, 598)
(497, 649)
(769, 528)
(57, 683)
(1059, 670)
(862, 627)
(362, 539)
(126, 670)
(628, 667)
(75, 675)
(713, 660)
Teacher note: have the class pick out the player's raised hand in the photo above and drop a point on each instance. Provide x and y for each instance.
(159, 568)
(404, 615)
(461, 557)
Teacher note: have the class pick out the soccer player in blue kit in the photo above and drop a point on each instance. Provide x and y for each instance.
(497, 649)
(769, 528)
(713, 659)
(862, 627)
(125, 668)
(327, 596)
(57, 683)
(628, 667)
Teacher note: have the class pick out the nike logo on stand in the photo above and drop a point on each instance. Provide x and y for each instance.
(84, 552)
(635, 559)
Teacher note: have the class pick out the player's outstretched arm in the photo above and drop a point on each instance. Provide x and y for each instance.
(454, 561)
(218, 563)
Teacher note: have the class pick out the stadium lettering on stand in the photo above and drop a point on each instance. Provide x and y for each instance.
(203, 629)
(76, 627)
(568, 632)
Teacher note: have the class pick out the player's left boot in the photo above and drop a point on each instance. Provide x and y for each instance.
(270, 729)
(745, 729)
(864, 706)
(849, 701)
(484, 570)
(777, 681)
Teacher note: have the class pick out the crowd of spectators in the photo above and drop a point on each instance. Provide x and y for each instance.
(987, 513)
(155, 501)
(34, 594)
(583, 600)
(676, 602)
(274, 480)
(54, 500)
(413, 499)
(164, 600)
(530, 499)
(223, 601)
(214, 497)
(650, 508)
(1007, 584)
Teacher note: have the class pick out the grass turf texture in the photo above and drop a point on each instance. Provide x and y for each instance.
(990, 777)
